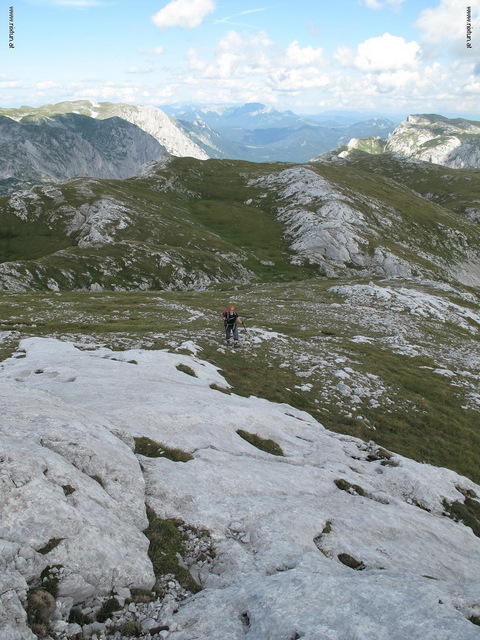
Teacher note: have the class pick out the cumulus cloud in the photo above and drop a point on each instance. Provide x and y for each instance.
(443, 22)
(297, 56)
(183, 13)
(297, 79)
(444, 27)
(382, 53)
(236, 55)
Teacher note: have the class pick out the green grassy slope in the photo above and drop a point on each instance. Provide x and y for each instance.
(193, 224)
(454, 189)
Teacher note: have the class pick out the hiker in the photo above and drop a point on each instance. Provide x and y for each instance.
(230, 321)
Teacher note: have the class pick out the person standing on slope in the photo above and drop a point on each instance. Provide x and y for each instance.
(230, 321)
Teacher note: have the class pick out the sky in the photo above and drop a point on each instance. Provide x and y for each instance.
(311, 56)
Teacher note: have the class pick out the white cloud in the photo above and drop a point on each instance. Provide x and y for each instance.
(46, 84)
(154, 51)
(183, 13)
(10, 84)
(382, 53)
(472, 85)
(235, 56)
(135, 69)
(380, 4)
(444, 22)
(297, 56)
(298, 79)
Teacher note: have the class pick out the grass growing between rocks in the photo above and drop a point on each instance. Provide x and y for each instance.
(107, 608)
(350, 561)
(166, 541)
(426, 421)
(50, 580)
(151, 449)
(344, 485)
(184, 368)
(467, 512)
(267, 445)
(40, 608)
(51, 544)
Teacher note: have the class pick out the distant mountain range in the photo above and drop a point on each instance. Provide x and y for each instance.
(57, 142)
(259, 133)
(451, 142)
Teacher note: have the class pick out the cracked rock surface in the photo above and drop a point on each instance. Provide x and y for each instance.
(335, 539)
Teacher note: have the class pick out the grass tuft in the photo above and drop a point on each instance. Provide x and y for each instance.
(107, 608)
(40, 608)
(350, 561)
(217, 387)
(51, 544)
(467, 512)
(98, 479)
(344, 485)
(167, 543)
(50, 579)
(269, 446)
(77, 616)
(184, 368)
(131, 629)
(151, 449)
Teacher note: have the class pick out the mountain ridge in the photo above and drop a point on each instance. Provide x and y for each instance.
(451, 142)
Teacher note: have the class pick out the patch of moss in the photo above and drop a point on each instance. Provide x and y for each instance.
(267, 445)
(475, 620)
(350, 561)
(344, 485)
(151, 449)
(107, 608)
(186, 369)
(51, 544)
(467, 512)
(166, 541)
(67, 489)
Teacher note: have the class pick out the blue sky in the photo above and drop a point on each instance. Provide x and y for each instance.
(387, 56)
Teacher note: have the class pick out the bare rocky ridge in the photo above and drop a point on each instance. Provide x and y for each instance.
(150, 119)
(449, 142)
(61, 147)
